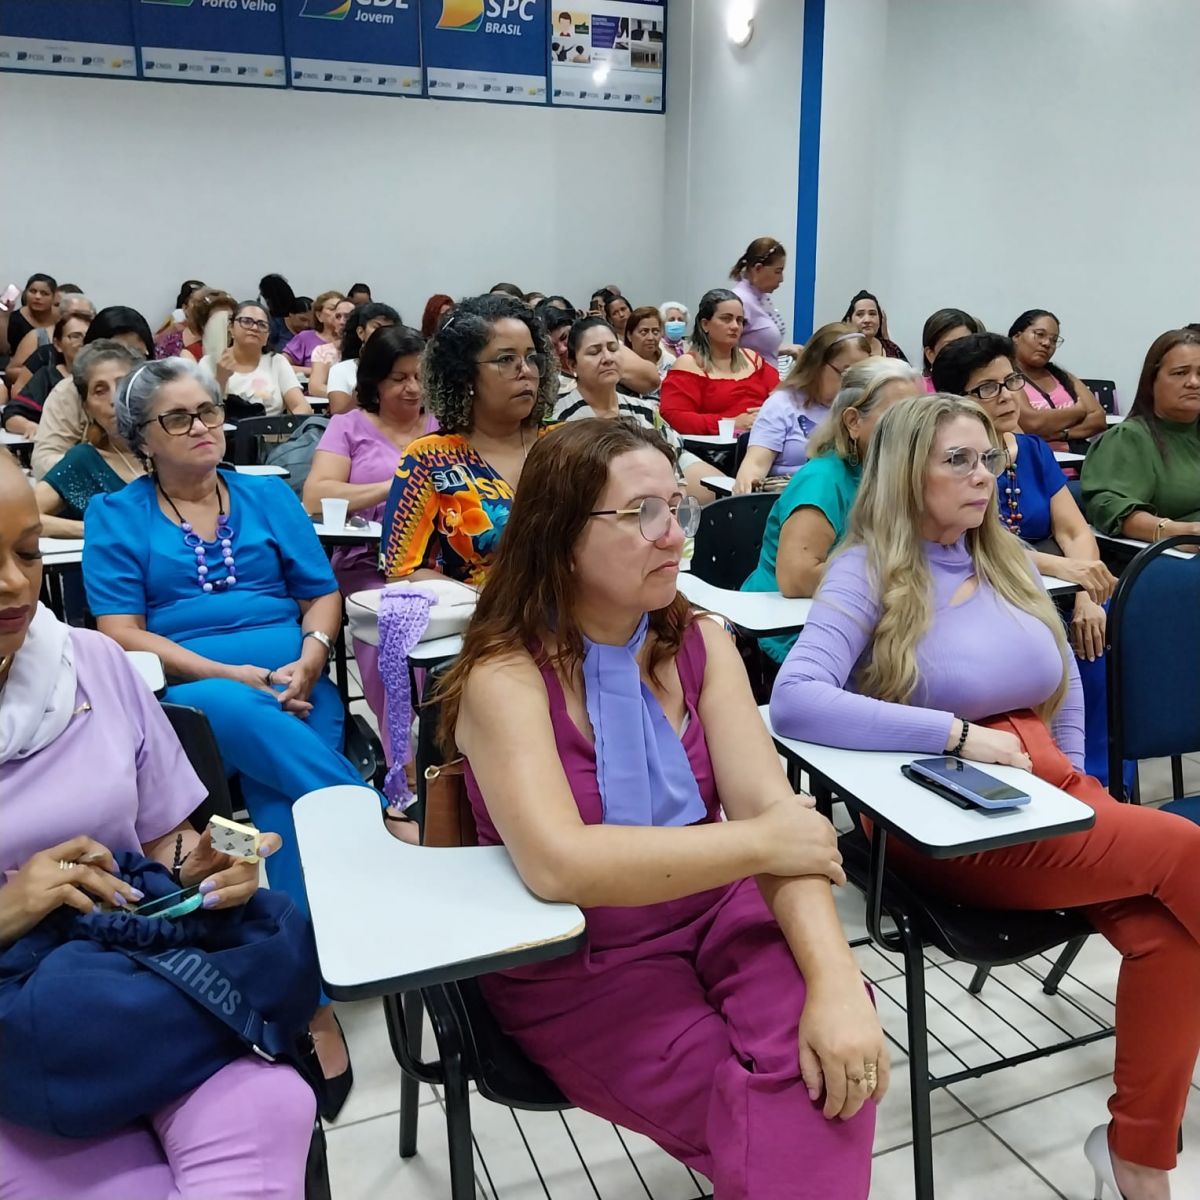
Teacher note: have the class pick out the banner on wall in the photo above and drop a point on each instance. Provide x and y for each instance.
(355, 45)
(485, 50)
(75, 37)
(212, 41)
(608, 54)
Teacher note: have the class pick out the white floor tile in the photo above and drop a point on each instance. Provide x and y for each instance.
(893, 1122)
(1154, 775)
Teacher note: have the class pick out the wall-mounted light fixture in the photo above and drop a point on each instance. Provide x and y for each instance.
(600, 74)
(739, 22)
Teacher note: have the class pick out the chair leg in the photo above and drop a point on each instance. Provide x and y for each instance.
(978, 980)
(918, 1059)
(1055, 975)
(410, 1088)
(458, 1128)
(316, 1171)
(1177, 777)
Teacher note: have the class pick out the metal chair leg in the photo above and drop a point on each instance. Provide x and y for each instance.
(1055, 975)
(1176, 777)
(410, 1088)
(978, 980)
(316, 1170)
(458, 1129)
(918, 1059)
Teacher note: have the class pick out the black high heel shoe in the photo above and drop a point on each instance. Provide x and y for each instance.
(335, 1091)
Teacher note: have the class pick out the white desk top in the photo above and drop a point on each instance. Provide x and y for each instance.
(60, 552)
(436, 650)
(1135, 545)
(1113, 418)
(263, 469)
(149, 667)
(317, 403)
(390, 917)
(1068, 458)
(708, 439)
(349, 534)
(762, 614)
(14, 439)
(721, 485)
(871, 779)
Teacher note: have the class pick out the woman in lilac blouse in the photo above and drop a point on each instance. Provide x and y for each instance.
(968, 657)
(89, 766)
(758, 273)
(778, 442)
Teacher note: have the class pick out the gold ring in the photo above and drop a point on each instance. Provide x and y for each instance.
(871, 1071)
(855, 1079)
(63, 865)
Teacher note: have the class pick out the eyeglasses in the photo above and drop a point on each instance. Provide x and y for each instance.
(654, 516)
(989, 389)
(1040, 335)
(179, 421)
(963, 460)
(509, 366)
(251, 323)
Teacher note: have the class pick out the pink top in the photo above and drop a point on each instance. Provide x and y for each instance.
(116, 773)
(373, 459)
(1059, 398)
(615, 928)
(927, 380)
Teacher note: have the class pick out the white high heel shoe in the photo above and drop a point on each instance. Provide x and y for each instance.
(1096, 1151)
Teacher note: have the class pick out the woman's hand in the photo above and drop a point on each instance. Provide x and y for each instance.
(1087, 628)
(744, 484)
(225, 881)
(41, 886)
(796, 840)
(226, 366)
(840, 1038)
(1093, 576)
(992, 746)
(744, 421)
(299, 679)
(264, 680)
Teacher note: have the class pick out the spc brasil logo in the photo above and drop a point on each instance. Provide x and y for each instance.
(338, 10)
(468, 15)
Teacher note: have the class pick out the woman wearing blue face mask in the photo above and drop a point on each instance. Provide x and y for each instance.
(675, 326)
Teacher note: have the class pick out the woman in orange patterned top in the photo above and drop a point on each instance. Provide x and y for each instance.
(490, 377)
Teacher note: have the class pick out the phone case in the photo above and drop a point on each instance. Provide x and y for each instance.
(935, 787)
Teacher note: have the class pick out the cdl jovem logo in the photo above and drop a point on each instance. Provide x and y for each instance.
(467, 15)
(332, 10)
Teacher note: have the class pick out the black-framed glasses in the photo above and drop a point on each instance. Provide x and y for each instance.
(179, 421)
(963, 460)
(251, 323)
(508, 365)
(989, 389)
(655, 514)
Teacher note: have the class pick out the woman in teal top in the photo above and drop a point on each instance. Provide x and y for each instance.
(813, 511)
(1142, 478)
(222, 576)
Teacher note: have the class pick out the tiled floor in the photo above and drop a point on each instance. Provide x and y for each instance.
(1017, 1134)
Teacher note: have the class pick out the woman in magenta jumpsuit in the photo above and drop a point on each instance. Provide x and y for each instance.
(716, 1006)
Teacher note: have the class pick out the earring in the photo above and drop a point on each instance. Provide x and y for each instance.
(854, 452)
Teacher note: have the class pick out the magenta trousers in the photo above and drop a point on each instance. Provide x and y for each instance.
(691, 1039)
(242, 1135)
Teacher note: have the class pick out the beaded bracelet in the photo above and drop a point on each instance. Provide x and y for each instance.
(179, 859)
(962, 738)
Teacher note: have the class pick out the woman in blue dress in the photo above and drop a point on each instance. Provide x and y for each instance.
(222, 576)
(1036, 504)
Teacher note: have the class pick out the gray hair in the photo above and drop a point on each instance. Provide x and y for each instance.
(862, 386)
(140, 390)
(72, 302)
(95, 354)
(683, 308)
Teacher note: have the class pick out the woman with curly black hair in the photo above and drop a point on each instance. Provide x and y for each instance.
(490, 377)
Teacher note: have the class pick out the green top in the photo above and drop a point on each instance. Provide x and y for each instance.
(829, 484)
(1125, 472)
(79, 475)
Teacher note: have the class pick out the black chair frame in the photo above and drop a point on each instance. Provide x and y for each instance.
(250, 432)
(730, 537)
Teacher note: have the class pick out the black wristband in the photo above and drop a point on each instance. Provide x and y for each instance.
(962, 738)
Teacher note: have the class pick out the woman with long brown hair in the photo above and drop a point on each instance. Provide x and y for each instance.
(605, 730)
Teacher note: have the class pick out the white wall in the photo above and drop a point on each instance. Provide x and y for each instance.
(1030, 154)
(733, 118)
(132, 187)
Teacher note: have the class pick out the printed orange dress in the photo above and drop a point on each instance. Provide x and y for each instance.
(445, 512)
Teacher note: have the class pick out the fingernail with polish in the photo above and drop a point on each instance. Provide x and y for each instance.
(211, 900)
(119, 899)
(206, 887)
(266, 851)
(137, 894)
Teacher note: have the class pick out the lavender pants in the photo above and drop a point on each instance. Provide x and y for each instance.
(242, 1135)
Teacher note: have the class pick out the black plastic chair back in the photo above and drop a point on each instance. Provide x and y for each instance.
(1153, 658)
(254, 435)
(1105, 390)
(200, 745)
(730, 537)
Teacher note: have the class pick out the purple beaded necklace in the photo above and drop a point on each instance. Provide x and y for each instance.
(195, 543)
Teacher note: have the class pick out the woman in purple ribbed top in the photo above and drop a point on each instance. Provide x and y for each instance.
(605, 730)
(931, 620)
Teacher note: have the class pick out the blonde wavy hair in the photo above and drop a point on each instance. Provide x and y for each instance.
(862, 388)
(886, 521)
(819, 350)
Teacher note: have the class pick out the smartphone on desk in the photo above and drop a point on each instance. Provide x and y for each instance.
(963, 784)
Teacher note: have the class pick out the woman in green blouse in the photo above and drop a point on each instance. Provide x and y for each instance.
(1142, 478)
(813, 511)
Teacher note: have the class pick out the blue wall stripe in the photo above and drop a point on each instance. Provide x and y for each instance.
(805, 255)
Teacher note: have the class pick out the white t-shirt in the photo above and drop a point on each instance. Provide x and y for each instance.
(267, 383)
(343, 377)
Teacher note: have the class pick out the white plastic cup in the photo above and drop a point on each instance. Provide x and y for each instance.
(333, 513)
(726, 428)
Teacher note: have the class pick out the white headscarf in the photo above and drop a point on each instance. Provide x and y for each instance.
(38, 698)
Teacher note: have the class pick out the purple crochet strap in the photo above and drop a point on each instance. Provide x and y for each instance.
(403, 619)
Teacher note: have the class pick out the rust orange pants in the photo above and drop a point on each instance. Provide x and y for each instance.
(1136, 876)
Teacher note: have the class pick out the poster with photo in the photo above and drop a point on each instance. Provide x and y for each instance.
(68, 37)
(610, 54)
(485, 50)
(212, 41)
(354, 45)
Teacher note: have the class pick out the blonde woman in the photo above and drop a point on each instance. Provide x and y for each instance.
(812, 513)
(933, 611)
(780, 433)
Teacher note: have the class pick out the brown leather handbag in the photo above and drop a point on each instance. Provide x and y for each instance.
(449, 820)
